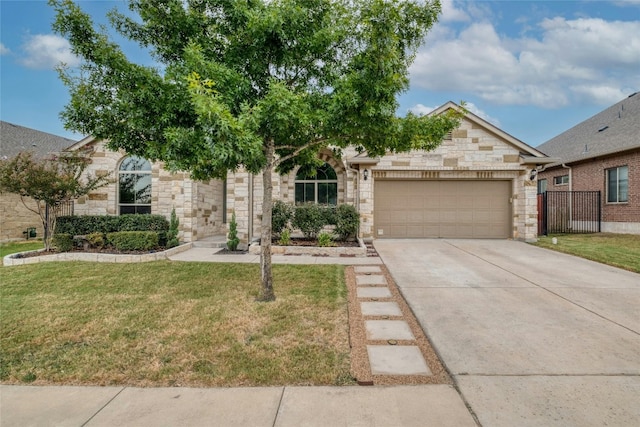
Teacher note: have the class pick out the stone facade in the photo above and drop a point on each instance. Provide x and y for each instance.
(15, 218)
(198, 204)
(475, 151)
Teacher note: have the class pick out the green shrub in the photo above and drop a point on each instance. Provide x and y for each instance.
(310, 219)
(96, 240)
(172, 234)
(325, 239)
(330, 214)
(62, 241)
(281, 215)
(133, 240)
(233, 241)
(285, 237)
(86, 224)
(347, 221)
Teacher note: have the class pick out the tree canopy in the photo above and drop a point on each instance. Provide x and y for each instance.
(262, 85)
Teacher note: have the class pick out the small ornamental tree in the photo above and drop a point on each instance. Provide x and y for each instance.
(262, 85)
(49, 182)
(233, 241)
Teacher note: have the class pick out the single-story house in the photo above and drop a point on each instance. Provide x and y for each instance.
(15, 219)
(601, 154)
(476, 184)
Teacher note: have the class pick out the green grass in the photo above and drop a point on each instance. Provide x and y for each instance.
(172, 324)
(14, 247)
(618, 250)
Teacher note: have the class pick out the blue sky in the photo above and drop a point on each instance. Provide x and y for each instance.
(532, 68)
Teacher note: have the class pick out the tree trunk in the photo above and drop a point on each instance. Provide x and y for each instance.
(266, 291)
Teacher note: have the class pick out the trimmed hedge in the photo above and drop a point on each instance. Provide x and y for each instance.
(347, 221)
(87, 224)
(133, 240)
(63, 242)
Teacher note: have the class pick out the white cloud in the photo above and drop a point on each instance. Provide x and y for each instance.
(4, 50)
(582, 60)
(46, 51)
(421, 110)
(451, 13)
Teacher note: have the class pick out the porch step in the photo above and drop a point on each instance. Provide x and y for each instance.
(211, 242)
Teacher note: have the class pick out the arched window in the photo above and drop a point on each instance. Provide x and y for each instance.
(134, 186)
(318, 185)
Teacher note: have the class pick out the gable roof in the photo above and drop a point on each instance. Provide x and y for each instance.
(613, 130)
(15, 139)
(526, 150)
(528, 154)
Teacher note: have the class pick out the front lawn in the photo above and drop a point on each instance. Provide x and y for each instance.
(618, 250)
(172, 324)
(22, 246)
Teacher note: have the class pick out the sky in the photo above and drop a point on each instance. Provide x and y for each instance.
(532, 68)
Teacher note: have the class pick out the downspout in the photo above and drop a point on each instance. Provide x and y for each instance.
(356, 188)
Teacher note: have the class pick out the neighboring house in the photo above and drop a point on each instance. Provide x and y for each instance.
(476, 184)
(601, 154)
(15, 219)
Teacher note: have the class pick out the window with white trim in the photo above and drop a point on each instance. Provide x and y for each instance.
(618, 184)
(317, 185)
(561, 180)
(134, 186)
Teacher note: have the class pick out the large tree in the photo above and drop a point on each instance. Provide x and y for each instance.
(262, 85)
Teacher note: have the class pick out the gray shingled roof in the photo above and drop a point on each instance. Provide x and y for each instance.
(613, 130)
(15, 139)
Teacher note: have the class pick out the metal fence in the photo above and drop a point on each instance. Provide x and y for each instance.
(569, 212)
(63, 209)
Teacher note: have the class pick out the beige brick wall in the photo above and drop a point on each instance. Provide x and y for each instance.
(16, 218)
(198, 204)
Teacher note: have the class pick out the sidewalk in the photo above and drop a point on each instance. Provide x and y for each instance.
(433, 405)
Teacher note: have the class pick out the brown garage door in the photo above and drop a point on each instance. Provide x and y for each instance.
(448, 209)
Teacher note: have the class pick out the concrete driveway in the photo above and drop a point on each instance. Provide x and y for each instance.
(532, 337)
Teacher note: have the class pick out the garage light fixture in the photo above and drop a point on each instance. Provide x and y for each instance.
(365, 174)
(533, 174)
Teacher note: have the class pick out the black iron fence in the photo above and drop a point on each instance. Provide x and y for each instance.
(63, 209)
(569, 212)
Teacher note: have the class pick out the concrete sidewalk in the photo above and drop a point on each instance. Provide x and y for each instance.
(431, 405)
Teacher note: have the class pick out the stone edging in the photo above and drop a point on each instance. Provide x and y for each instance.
(11, 260)
(337, 251)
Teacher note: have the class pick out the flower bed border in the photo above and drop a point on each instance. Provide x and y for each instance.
(15, 259)
(331, 251)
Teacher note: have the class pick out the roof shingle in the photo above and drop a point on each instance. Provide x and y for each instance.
(611, 131)
(15, 139)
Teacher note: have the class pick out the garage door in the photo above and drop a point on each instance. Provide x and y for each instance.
(448, 209)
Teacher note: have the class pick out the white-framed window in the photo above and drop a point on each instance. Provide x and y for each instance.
(319, 185)
(134, 186)
(618, 184)
(561, 180)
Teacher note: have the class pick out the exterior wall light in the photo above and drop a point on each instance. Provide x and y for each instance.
(365, 174)
(533, 174)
